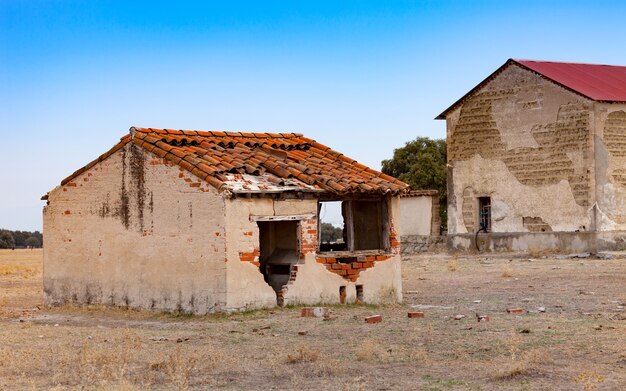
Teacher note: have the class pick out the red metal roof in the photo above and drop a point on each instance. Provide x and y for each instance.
(605, 83)
(597, 82)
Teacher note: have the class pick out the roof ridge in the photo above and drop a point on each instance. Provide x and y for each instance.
(520, 60)
(215, 133)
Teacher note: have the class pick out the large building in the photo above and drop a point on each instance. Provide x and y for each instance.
(201, 222)
(537, 159)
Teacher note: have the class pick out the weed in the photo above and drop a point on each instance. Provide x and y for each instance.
(303, 354)
(453, 264)
(589, 380)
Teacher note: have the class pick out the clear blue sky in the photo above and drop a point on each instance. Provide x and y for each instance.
(363, 77)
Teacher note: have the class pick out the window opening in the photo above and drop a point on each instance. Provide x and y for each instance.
(359, 294)
(278, 252)
(484, 213)
(332, 233)
(342, 294)
(353, 225)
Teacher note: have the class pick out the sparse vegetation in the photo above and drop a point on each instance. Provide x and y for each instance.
(98, 348)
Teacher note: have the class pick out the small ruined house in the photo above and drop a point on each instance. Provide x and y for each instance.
(537, 159)
(202, 222)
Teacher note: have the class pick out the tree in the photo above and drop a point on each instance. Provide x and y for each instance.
(330, 233)
(6, 239)
(422, 164)
(33, 241)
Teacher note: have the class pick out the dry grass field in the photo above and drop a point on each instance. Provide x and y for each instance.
(578, 343)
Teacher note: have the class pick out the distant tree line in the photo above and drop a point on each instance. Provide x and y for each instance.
(20, 239)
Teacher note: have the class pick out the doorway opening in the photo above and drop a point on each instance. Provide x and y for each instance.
(278, 252)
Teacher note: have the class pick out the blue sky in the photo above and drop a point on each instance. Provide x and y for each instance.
(363, 77)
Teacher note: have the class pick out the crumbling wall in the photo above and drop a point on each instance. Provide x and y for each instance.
(610, 151)
(135, 231)
(312, 280)
(526, 143)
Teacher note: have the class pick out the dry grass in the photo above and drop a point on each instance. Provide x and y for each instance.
(453, 264)
(303, 354)
(506, 271)
(98, 348)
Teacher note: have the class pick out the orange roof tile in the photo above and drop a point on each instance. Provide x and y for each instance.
(259, 162)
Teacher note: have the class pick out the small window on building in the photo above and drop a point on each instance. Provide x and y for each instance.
(364, 225)
(484, 214)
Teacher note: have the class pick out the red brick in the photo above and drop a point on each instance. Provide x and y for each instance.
(415, 314)
(515, 310)
(67, 212)
(71, 184)
(367, 264)
(374, 319)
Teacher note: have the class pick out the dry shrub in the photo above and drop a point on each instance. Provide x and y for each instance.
(371, 351)
(517, 362)
(453, 264)
(506, 271)
(303, 354)
(589, 380)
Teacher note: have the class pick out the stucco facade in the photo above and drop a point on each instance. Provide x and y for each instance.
(548, 160)
(135, 229)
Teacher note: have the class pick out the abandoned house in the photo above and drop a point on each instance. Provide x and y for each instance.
(537, 159)
(202, 222)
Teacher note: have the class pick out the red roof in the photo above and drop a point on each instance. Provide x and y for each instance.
(598, 82)
(606, 83)
(258, 162)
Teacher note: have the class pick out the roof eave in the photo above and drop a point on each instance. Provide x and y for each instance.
(473, 90)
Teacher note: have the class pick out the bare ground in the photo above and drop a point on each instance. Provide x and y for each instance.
(578, 343)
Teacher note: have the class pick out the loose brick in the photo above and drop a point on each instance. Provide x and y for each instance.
(374, 319)
(415, 314)
(515, 310)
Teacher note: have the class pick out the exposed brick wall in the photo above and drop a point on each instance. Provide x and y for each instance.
(477, 132)
(350, 269)
(307, 237)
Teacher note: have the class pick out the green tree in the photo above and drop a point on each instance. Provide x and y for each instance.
(422, 164)
(330, 233)
(6, 239)
(33, 241)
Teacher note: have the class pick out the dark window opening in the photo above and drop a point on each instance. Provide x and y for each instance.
(484, 213)
(359, 294)
(364, 225)
(347, 260)
(279, 251)
(342, 295)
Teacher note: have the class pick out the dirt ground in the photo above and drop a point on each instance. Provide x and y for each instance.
(578, 343)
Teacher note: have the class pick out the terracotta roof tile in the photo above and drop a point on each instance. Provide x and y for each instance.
(263, 161)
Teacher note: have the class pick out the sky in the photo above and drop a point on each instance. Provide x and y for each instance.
(363, 77)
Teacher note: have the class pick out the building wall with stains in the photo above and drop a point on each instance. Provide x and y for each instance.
(529, 145)
(313, 280)
(610, 154)
(136, 231)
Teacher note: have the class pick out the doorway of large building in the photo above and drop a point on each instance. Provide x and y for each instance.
(279, 252)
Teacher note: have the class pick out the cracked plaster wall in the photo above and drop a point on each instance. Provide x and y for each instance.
(135, 231)
(527, 143)
(610, 149)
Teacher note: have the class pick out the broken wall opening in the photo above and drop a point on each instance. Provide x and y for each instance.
(364, 226)
(278, 242)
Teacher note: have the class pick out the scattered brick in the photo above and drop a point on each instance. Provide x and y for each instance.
(415, 314)
(374, 319)
(515, 310)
